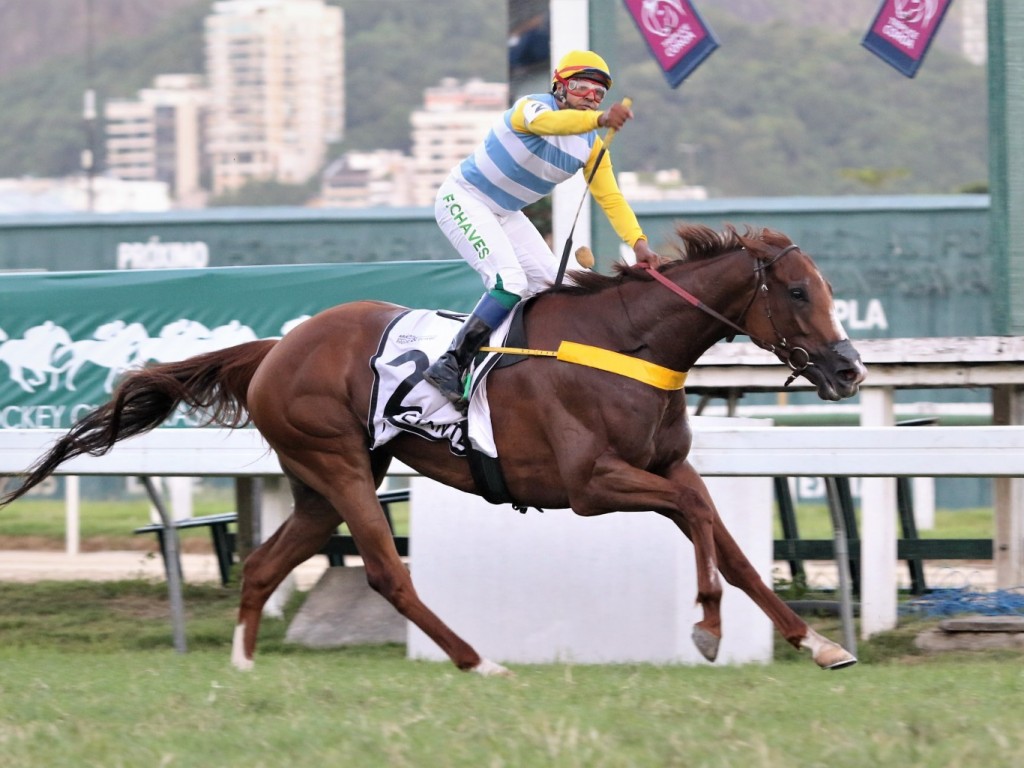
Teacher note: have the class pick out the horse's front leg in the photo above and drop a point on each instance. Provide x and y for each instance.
(700, 510)
(618, 486)
(739, 572)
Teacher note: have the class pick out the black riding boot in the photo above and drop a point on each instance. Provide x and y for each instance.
(447, 371)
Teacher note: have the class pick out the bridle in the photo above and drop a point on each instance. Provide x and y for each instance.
(797, 358)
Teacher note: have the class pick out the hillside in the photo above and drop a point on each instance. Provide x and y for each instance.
(784, 107)
(33, 32)
(41, 129)
(792, 110)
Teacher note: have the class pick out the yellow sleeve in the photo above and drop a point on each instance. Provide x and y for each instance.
(534, 117)
(606, 192)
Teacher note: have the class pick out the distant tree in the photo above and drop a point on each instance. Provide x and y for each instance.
(874, 178)
(976, 188)
(41, 127)
(268, 193)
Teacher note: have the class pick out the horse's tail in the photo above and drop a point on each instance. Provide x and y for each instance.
(213, 385)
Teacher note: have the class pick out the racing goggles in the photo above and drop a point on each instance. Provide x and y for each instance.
(577, 86)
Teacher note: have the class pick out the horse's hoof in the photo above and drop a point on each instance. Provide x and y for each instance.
(847, 660)
(827, 654)
(706, 642)
(488, 668)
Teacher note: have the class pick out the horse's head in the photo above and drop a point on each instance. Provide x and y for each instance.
(766, 287)
(792, 315)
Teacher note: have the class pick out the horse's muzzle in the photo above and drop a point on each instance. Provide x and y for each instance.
(836, 371)
(847, 371)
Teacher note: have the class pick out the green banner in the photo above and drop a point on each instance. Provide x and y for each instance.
(65, 337)
(901, 267)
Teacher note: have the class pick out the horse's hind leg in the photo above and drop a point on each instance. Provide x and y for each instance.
(345, 479)
(387, 574)
(301, 536)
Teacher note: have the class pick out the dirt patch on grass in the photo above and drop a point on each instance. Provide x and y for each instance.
(137, 607)
(191, 545)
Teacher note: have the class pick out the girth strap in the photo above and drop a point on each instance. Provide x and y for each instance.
(489, 479)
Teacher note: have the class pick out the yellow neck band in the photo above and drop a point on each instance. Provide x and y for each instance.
(606, 360)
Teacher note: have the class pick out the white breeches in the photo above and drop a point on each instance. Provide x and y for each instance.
(505, 249)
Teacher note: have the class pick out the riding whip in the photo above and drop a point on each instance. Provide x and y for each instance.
(627, 103)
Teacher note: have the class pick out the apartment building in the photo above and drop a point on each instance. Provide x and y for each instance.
(159, 135)
(453, 120)
(974, 27)
(455, 117)
(368, 179)
(275, 69)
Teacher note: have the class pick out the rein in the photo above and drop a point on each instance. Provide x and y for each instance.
(666, 378)
(796, 358)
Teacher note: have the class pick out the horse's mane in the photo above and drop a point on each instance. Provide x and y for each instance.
(695, 242)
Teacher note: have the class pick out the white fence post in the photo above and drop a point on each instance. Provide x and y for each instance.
(1008, 546)
(878, 536)
(72, 515)
(923, 490)
(275, 507)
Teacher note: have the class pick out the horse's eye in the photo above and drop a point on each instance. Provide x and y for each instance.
(798, 294)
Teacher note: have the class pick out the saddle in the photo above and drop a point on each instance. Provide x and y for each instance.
(401, 401)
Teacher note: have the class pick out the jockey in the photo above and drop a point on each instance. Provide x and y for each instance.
(541, 141)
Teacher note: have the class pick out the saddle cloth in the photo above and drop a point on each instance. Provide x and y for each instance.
(401, 401)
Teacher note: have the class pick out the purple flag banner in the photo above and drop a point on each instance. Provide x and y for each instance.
(677, 36)
(903, 30)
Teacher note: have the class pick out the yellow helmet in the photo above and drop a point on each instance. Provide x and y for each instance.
(585, 64)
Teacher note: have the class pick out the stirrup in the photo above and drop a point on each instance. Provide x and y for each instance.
(444, 375)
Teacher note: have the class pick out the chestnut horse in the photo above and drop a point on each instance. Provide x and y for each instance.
(567, 435)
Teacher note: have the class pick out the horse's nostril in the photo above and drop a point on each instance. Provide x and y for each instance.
(853, 375)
